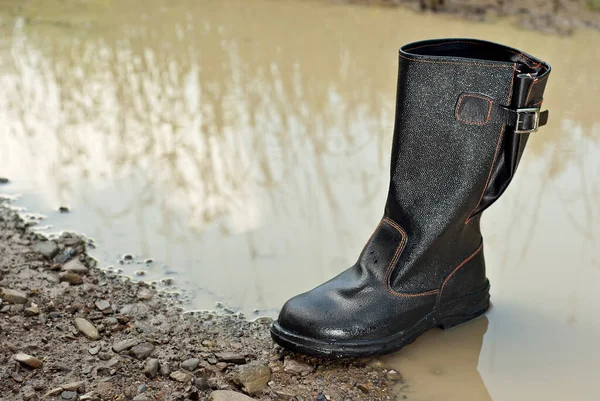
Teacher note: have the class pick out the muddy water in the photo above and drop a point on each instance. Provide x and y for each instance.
(244, 148)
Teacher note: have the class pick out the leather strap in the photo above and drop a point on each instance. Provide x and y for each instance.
(478, 109)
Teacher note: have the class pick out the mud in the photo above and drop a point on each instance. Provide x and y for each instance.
(71, 331)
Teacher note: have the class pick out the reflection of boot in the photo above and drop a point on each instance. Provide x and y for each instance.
(463, 114)
(442, 365)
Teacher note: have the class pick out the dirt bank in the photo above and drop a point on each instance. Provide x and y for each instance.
(556, 16)
(70, 331)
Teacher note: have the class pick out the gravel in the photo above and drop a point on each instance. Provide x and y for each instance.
(46, 328)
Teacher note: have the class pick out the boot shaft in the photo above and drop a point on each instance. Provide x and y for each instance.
(454, 150)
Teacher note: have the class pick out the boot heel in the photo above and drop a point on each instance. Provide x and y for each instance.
(465, 309)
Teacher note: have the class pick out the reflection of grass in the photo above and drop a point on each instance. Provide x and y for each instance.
(594, 4)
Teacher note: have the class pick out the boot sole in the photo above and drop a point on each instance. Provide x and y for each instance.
(447, 316)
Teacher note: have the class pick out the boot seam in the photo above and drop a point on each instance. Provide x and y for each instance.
(393, 262)
(456, 269)
(500, 136)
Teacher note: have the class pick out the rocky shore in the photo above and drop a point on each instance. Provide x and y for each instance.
(72, 331)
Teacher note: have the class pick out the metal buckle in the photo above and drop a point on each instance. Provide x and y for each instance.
(536, 120)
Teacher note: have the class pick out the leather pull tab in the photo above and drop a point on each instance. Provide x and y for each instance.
(478, 109)
(473, 108)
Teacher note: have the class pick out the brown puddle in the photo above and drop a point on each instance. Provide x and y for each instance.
(244, 147)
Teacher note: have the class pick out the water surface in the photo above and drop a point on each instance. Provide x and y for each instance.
(244, 148)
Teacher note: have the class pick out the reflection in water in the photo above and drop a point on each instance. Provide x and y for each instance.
(248, 156)
(442, 365)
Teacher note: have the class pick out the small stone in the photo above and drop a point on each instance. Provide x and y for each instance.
(165, 369)
(87, 329)
(142, 351)
(70, 277)
(32, 310)
(125, 345)
(47, 248)
(29, 394)
(285, 394)
(190, 364)
(142, 388)
(141, 397)
(252, 377)
(294, 366)
(209, 343)
(201, 383)
(145, 294)
(4, 180)
(230, 357)
(68, 395)
(102, 304)
(364, 387)
(63, 209)
(74, 386)
(127, 257)
(227, 395)
(13, 296)
(91, 396)
(53, 392)
(94, 350)
(27, 360)
(74, 265)
(180, 376)
(151, 368)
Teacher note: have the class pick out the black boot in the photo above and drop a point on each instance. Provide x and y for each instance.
(464, 111)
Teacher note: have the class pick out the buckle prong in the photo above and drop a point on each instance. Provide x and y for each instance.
(521, 115)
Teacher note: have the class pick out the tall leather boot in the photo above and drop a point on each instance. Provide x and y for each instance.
(464, 111)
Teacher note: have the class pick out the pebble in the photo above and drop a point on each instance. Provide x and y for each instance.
(227, 395)
(63, 209)
(141, 397)
(94, 350)
(74, 386)
(4, 180)
(190, 364)
(53, 392)
(230, 357)
(74, 265)
(13, 296)
(87, 329)
(296, 367)
(47, 248)
(151, 368)
(125, 345)
(32, 310)
(180, 376)
(102, 304)
(145, 294)
(70, 277)
(252, 377)
(142, 351)
(165, 369)
(142, 388)
(27, 360)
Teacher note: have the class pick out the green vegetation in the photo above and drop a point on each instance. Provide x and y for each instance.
(593, 4)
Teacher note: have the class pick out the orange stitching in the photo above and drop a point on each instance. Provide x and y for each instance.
(535, 82)
(456, 269)
(458, 63)
(535, 63)
(497, 148)
(394, 260)
(478, 97)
